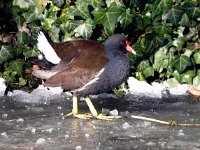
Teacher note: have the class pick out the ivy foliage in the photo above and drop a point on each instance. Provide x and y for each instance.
(165, 34)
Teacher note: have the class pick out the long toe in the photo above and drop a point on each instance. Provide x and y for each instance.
(83, 116)
(80, 116)
(104, 117)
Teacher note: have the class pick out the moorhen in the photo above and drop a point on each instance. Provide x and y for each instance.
(84, 67)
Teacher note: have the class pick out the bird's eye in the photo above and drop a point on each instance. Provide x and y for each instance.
(122, 43)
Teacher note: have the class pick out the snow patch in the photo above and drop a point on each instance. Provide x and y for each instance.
(40, 141)
(154, 90)
(2, 87)
(137, 87)
(40, 95)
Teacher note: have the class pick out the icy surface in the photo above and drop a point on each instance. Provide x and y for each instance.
(41, 124)
(37, 120)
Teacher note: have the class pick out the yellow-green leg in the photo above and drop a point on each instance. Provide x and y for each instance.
(92, 110)
(75, 105)
(95, 114)
(75, 110)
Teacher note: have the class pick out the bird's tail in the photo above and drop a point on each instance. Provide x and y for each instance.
(47, 51)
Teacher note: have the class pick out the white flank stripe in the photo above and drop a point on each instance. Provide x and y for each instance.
(44, 46)
(92, 81)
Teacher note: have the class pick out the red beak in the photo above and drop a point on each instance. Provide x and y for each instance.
(129, 48)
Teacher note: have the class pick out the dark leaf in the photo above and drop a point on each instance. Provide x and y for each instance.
(6, 53)
(85, 29)
(173, 16)
(31, 53)
(32, 14)
(17, 66)
(187, 77)
(126, 18)
(162, 29)
(80, 9)
(197, 57)
(41, 4)
(184, 20)
(161, 59)
(163, 5)
(181, 63)
(148, 72)
(108, 17)
(58, 2)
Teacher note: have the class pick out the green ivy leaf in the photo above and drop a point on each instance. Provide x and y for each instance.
(96, 3)
(139, 75)
(6, 53)
(153, 41)
(41, 4)
(197, 57)
(32, 14)
(21, 3)
(80, 9)
(173, 15)
(161, 59)
(184, 20)
(187, 77)
(181, 63)
(59, 2)
(163, 5)
(22, 81)
(188, 52)
(193, 12)
(178, 43)
(162, 29)
(31, 53)
(108, 17)
(148, 72)
(17, 66)
(172, 82)
(196, 80)
(109, 3)
(126, 18)
(19, 21)
(177, 75)
(85, 29)
(48, 23)
(70, 25)
(54, 33)
(143, 65)
(21, 38)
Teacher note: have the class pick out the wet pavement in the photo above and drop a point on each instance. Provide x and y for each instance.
(43, 125)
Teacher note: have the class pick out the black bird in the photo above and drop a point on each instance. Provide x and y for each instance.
(84, 67)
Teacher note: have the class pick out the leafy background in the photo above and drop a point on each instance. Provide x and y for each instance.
(165, 34)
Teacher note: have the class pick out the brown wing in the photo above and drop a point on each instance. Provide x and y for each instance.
(78, 72)
(76, 48)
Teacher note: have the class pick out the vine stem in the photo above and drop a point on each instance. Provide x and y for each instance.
(170, 123)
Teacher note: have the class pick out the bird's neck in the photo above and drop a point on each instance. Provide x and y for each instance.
(113, 52)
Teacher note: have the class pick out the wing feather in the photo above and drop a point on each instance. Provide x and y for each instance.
(77, 72)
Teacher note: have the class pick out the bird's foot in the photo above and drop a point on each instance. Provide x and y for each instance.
(105, 117)
(80, 116)
(89, 116)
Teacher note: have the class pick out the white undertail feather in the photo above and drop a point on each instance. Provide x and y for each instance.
(43, 74)
(44, 46)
